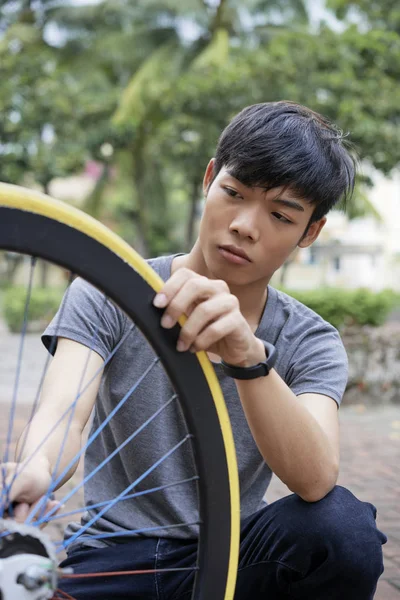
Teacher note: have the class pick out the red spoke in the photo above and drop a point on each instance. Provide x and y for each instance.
(114, 573)
(62, 595)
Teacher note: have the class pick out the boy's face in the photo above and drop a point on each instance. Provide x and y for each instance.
(265, 225)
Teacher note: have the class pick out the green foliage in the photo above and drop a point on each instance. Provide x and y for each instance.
(342, 307)
(37, 132)
(157, 80)
(43, 305)
(154, 78)
(383, 14)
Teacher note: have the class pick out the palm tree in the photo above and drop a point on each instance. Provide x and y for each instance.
(157, 85)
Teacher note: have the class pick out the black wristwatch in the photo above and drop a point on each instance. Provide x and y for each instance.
(260, 370)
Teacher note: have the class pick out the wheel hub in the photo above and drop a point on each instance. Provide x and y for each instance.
(28, 565)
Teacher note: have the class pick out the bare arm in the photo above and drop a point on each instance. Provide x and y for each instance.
(297, 436)
(59, 391)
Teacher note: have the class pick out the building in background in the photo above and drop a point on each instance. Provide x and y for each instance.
(358, 253)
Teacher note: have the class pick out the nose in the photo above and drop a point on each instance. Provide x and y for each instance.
(246, 225)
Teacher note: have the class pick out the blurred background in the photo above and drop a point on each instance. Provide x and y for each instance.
(115, 106)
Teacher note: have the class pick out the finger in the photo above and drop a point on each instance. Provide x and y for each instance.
(21, 512)
(52, 504)
(18, 486)
(203, 315)
(22, 491)
(172, 286)
(192, 292)
(14, 488)
(40, 510)
(216, 331)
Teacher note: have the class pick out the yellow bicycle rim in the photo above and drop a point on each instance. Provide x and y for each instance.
(34, 202)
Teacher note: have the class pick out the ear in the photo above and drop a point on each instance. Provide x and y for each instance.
(208, 176)
(312, 233)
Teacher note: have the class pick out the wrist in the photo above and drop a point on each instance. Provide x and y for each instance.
(255, 366)
(255, 355)
(37, 462)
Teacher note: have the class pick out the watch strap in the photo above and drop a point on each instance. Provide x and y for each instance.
(260, 370)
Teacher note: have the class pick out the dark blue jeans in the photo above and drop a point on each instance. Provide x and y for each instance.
(327, 550)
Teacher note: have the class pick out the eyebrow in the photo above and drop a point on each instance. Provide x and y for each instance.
(283, 201)
(289, 203)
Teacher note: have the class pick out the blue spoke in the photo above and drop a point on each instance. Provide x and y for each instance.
(4, 534)
(36, 401)
(124, 533)
(92, 438)
(129, 497)
(5, 491)
(73, 408)
(46, 366)
(124, 492)
(106, 421)
(108, 458)
(26, 463)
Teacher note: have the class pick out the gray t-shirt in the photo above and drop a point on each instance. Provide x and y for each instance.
(311, 358)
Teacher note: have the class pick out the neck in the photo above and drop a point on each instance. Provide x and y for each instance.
(252, 296)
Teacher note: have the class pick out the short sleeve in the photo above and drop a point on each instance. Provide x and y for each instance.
(319, 363)
(86, 316)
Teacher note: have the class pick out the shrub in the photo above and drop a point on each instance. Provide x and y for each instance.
(342, 307)
(43, 305)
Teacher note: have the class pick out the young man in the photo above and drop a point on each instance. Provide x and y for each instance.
(278, 169)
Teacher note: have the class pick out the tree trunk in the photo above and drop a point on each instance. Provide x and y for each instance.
(285, 267)
(44, 273)
(44, 266)
(194, 199)
(284, 272)
(94, 202)
(140, 216)
(13, 262)
(218, 20)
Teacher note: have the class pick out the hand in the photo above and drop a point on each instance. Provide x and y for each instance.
(29, 486)
(214, 322)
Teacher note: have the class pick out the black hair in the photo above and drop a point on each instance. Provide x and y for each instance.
(282, 143)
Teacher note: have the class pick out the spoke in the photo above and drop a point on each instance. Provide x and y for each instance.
(136, 572)
(103, 425)
(62, 595)
(79, 393)
(132, 532)
(129, 497)
(26, 463)
(124, 492)
(45, 369)
(73, 409)
(107, 460)
(110, 356)
(76, 458)
(5, 490)
(39, 391)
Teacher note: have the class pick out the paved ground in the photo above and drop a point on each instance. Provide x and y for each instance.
(370, 468)
(370, 453)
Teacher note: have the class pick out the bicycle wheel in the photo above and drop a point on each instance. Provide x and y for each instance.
(32, 224)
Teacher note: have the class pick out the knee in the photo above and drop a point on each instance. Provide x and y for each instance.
(341, 528)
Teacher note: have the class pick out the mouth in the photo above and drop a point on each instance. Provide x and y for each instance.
(234, 254)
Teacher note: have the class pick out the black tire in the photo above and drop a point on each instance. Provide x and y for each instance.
(35, 225)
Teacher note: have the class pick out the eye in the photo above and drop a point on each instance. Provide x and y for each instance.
(231, 192)
(281, 218)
